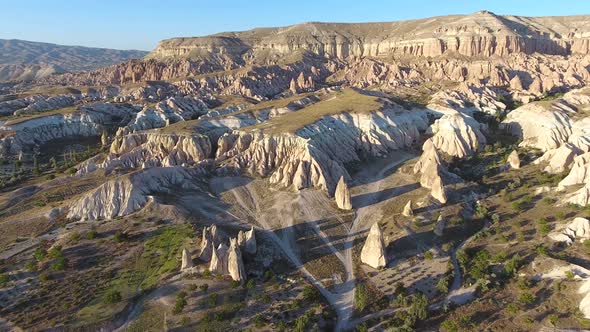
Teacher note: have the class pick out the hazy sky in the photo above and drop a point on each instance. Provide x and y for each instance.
(127, 24)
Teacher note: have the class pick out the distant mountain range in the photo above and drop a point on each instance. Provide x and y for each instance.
(26, 60)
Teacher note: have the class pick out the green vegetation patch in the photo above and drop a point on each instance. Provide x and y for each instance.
(347, 100)
(159, 256)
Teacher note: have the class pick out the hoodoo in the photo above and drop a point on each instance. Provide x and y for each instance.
(187, 261)
(342, 195)
(373, 252)
(408, 212)
(235, 265)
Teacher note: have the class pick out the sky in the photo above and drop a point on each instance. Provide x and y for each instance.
(135, 24)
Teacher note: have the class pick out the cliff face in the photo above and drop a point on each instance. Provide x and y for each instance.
(88, 121)
(316, 155)
(479, 34)
(124, 195)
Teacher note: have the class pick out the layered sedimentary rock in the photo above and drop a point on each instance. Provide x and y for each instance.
(290, 161)
(373, 252)
(154, 149)
(342, 195)
(315, 155)
(166, 112)
(187, 261)
(126, 194)
(513, 160)
(457, 135)
(579, 229)
(478, 34)
(235, 265)
(20, 135)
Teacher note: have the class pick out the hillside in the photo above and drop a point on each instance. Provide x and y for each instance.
(24, 60)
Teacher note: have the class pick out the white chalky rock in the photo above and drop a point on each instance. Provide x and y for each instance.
(373, 252)
(187, 261)
(457, 134)
(513, 160)
(342, 195)
(408, 212)
(219, 260)
(250, 241)
(235, 265)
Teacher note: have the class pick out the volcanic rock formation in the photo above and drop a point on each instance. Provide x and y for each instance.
(342, 195)
(373, 252)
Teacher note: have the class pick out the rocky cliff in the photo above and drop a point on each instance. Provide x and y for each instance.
(124, 195)
(479, 34)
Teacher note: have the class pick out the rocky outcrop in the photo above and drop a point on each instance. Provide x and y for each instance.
(219, 260)
(154, 149)
(407, 211)
(315, 155)
(431, 171)
(235, 265)
(290, 161)
(187, 261)
(479, 34)
(579, 228)
(250, 241)
(207, 245)
(373, 252)
(22, 135)
(513, 160)
(539, 126)
(167, 112)
(558, 160)
(440, 225)
(579, 197)
(438, 190)
(127, 194)
(342, 195)
(579, 173)
(457, 135)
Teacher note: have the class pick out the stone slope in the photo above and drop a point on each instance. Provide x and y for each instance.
(127, 194)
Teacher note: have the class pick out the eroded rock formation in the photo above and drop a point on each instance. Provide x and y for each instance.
(235, 265)
(342, 195)
(373, 252)
(187, 261)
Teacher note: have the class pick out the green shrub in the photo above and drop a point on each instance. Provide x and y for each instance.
(180, 302)
(39, 254)
(526, 298)
(50, 177)
(31, 266)
(251, 284)
(204, 288)
(569, 274)
(3, 279)
(361, 297)
(120, 236)
(112, 297)
(91, 234)
(310, 294)
(449, 325)
(428, 255)
(72, 171)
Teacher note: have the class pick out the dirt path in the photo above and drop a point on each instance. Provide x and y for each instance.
(365, 213)
(312, 206)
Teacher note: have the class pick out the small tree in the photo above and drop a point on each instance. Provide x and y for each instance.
(419, 308)
(36, 170)
(112, 297)
(361, 297)
(104, 138)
